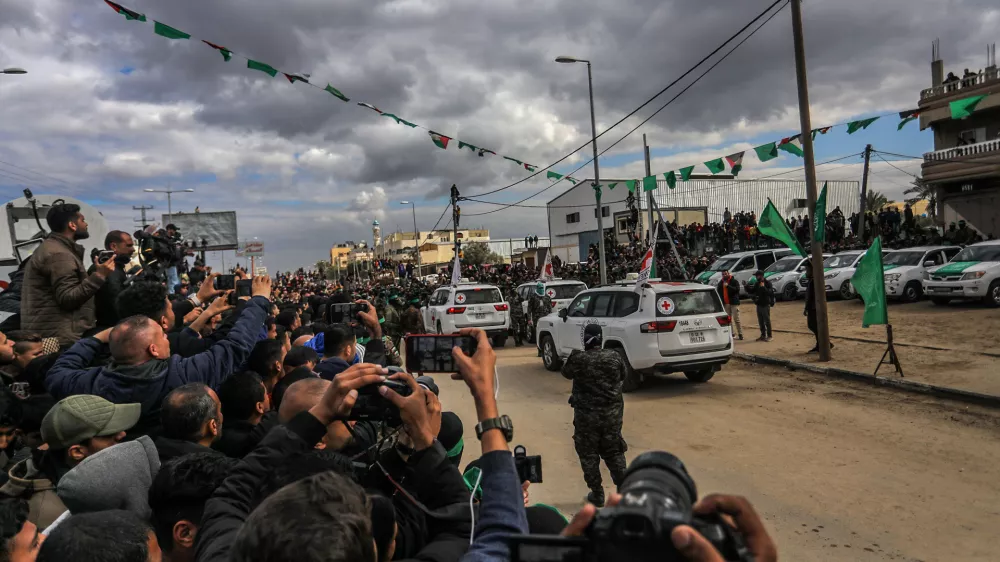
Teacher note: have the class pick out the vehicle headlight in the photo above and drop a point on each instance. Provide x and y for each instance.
(831, 275)
(973, 275)
(890, 277)
(927, 276)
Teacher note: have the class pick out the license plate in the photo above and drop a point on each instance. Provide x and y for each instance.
(696, 337)
(480, 315)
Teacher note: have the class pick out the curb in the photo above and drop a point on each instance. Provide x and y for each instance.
(965, 396)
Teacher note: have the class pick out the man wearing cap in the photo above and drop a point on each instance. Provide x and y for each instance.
(74, 429)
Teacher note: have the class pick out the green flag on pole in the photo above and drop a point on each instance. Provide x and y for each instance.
(819, 217)
(686, 173)
(671, 179)
(169, 32)
(771, 224)
(963, 108)
(715, 166)
(869, 282)
(630, 184)
(649, 183)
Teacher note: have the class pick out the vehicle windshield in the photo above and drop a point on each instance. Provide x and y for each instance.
(478, 296)
(839, 260)
(903, 258)
(783, 265)
(989, 252)
(690, 303)
(564, 291)
(723, 264)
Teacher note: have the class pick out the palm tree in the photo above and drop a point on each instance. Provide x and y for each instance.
(920, 191)
(874, 201)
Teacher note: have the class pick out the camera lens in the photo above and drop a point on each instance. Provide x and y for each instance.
(660, 476)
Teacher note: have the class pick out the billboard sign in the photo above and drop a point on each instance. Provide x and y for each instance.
(218, 230)
(250, 249)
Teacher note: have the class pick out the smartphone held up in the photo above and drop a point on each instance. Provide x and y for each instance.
(429, 353)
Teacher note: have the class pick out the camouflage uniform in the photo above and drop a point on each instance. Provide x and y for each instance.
(598, 408)
(517, 324)
(538, 306)
(392, 326)
(410, 321)
(392, 357)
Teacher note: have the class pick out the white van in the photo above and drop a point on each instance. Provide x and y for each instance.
(742, 265)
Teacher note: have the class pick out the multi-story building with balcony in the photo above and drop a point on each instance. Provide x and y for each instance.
(964, 168)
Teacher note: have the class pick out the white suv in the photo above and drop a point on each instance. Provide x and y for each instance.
(974, 273)
(559, 292)
(838, 270)
(468, 306)
(666, 328)
(784, 275)
(904, 269)
(742, 265)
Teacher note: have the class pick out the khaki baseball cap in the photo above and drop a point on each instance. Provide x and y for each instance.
(75, 419)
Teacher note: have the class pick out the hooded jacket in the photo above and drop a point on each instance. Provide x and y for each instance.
(118, 477)
(28, 481)
(57, 299)
(151, 381)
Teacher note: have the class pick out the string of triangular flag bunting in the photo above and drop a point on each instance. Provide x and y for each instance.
(960, 109)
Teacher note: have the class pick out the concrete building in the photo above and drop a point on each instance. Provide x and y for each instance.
(340, 253)
(572, 216)
(964, 169)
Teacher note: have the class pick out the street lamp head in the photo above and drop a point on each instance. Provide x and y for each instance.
(189, 191)
(567, 59)
(149, 190)
(404, 202)
(14, 70)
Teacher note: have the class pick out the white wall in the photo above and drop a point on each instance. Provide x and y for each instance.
(583, 194)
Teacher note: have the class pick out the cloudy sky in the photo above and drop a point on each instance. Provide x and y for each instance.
(108, 108)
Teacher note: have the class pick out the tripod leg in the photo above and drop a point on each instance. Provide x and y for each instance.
(881, 361)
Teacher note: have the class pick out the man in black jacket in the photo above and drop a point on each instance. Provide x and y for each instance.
(244, 403)
(341, 521)
(106, 298)
(729, 293)
(762, 293)
(810, 310)
(191, 420)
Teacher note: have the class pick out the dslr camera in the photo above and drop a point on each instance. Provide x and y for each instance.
(156, 253)
(372, 406)
(657, 496)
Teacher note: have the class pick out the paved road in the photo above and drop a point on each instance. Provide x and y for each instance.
(839, 471)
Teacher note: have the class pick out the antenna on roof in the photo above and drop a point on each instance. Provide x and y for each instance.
(935, 50)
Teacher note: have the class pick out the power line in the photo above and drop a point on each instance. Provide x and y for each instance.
(671, 100)
(37, 173)
(877, 153)
(644, 104)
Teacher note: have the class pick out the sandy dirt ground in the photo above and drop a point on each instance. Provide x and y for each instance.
(963, 327)
(839, 471)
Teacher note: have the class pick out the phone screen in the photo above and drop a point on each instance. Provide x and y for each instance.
(244, 288)
(105, 255)
(225, 282)
(432, 354)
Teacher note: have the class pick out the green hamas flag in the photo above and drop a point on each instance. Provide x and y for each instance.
(819, 217)
(767, 151)
(336, 93)
(963, 108)
(553, 175)
(398, 120)
(168, 32)
(771, 224)
(649, 183)
(855, 126)
(611, 186)
(869, 282)
(686, 173)
(630, 184)
(671, 179)
(715, 166)
(263, 67)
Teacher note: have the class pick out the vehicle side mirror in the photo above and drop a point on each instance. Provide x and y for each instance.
(564, 313)
(929, 263)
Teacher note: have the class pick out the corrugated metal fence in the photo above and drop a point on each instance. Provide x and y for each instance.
(752, 195)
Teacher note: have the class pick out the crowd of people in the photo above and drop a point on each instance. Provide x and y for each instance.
(148, 418)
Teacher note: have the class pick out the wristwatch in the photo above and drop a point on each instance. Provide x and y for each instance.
(502, 423)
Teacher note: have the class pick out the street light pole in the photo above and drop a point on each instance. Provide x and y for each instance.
(416, 234)
(169, 192)
(597, 171)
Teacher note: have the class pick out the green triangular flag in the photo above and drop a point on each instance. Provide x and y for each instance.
(398, 120)
(550, 174)
(686, 173)
(819, 217)
(671, 179)
(630, 184)
(963, 108)
(518, 162)
(263, 67)
(649, 183)
(462, 145)
(169, 32)
(771, 224)
(904, 122)
(571, 180)
(767, 151)
(715, 166)
(336, 93)
(612, 185)
(869, 283)
(854, 126)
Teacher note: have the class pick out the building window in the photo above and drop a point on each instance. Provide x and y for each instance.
(622, 225)
(605, 211)
(573, 217)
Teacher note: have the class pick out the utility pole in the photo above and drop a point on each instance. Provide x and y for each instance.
(454, 224)
(823, 326)
(142, 212)
(864, 195)
(651, 202)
